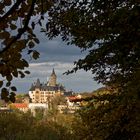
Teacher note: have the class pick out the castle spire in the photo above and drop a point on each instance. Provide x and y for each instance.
(37, 84)
(52, 79)
(53, 72)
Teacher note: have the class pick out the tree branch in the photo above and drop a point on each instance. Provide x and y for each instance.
(12, 9)
(18, 36)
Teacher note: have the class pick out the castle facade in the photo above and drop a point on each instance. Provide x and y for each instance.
(43, 92)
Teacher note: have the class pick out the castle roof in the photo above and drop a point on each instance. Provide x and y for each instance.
(38, 83)
(45, 87)
(53, 72)
(49, 86)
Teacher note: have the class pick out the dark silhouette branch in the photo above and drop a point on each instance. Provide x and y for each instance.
(18, 36)
(12, 9)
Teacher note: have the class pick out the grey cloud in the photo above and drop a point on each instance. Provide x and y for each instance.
(56, 50)
(78, 82)
(56, 54)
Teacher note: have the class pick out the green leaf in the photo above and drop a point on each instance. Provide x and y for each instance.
(33, 25)
(5, 35)
(12, 97)
(22, 75)
(35, 55)
(30, 51)
(12, 93)
(7, 2)
(13, 88)
(4, 94)
(27, 72)
(13, 27)
(8, 84)
(31, 44)
(9, 77)
(25, 63)
(39, 22)
(4, 90)
(36, 40)
(15, 73)
(1, 84)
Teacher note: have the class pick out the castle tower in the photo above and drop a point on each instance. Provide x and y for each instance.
(52, 79)
(37, 84)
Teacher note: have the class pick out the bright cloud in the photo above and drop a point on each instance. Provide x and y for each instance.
(78, 82)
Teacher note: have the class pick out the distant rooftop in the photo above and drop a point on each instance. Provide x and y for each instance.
(45, 87)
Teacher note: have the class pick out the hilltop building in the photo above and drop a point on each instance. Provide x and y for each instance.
(42, 92)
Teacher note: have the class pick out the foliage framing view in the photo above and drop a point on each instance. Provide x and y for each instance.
(108, 29)
(16, 35)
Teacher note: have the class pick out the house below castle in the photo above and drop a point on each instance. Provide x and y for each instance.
(42, 92)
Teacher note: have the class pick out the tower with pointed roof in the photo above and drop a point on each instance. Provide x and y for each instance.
(41, 92)
(52, 79)
(38, 83)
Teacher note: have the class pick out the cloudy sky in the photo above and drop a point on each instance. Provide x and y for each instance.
(56, 54)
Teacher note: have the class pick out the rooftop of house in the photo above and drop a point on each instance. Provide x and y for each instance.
(74, 98)
(20, 105)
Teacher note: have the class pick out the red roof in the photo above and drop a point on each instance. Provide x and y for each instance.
(74, 98)
(20, 105)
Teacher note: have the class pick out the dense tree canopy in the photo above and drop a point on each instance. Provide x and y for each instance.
(117, 119)
(23, 126)
(109, 29)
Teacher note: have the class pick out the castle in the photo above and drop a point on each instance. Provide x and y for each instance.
(42, 92)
